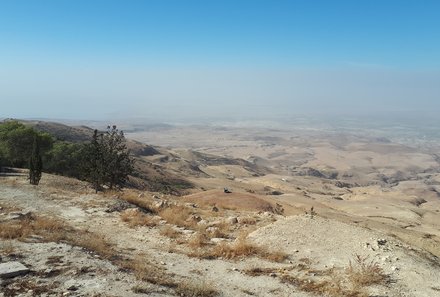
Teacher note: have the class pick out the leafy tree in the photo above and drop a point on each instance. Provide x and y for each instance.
(16, 143)
(118, 163)
(35, 163)
(107, 160)
(64, 158)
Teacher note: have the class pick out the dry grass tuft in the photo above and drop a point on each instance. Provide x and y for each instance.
(52, 229)
(138, 200)
(352, 281)
(26, 226)
(169, 231)
(178, 215)
(221, 230)
(7, 248)
(239, 249)
(134, 218)
(94, 243)
(275, 256)
(198, 289)
(23, 286)
(364, 272)
(333, 287)
(198, 240)
(144, 270)
(142, 289)
(247, 221)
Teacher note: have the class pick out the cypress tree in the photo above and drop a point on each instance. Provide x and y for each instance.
(93, 163)
(35, 163)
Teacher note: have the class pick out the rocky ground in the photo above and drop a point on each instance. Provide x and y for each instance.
(77, 243)
(310, 213)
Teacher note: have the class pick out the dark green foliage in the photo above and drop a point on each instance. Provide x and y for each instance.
(107, 160)
(93, 163)
(65, 158)
(16, 143)
(35, 163)
(104, 161)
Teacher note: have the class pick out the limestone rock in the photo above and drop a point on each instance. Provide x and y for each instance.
(12, 269)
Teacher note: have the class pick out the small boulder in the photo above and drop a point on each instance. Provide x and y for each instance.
(232, 220)
(194, 218)
(161, 204)
(381, 241)
(192, 205)
(12, 269)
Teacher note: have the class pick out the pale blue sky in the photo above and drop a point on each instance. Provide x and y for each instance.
(98, 59)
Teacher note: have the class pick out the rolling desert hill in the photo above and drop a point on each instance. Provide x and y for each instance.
(311, 212)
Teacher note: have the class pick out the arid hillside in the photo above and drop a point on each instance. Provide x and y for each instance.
(268, 213)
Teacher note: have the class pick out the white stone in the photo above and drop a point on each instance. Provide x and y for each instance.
(12, 269)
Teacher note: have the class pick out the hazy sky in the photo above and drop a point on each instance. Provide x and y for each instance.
(100, 59)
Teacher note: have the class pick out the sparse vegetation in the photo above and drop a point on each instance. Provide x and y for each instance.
(144, 270)
(362, 272)
(352, 281)
(138, 200)
(141, 289)
(23, 286)
(177, 215)
(29, 224)
(198, 240)
(239, 249)
(51, 229)
(169, 231)
(196, 289)
(134, 218)
(7, 248)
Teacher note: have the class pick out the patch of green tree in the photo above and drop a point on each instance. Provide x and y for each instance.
(16, 143)
(104, 161)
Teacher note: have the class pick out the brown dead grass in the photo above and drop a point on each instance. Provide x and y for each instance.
(144, 270)
(221, 230)
(247, 221)
(53, 229)
(332, 287)
(93, 243)
(196, 289)
(26, 226)
(352, 281)
(362, 272)
(139, 200)
(178, 215)
(7, 248)
(23, 286)
(236, 200)
(241, 248)
(137, 218)
(198, 240)
(169, 231)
